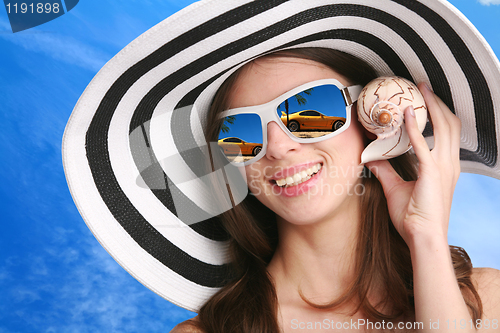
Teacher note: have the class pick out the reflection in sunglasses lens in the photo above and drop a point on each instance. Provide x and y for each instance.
(240, 137)
(314, 112)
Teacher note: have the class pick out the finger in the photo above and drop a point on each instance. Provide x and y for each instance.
(455, 128)
(447, 140)
(440, 124)
(444, 108)
(385, 173)
(416, 138)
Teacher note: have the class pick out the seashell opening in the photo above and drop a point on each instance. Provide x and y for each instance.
(382, 113)
(384, 118)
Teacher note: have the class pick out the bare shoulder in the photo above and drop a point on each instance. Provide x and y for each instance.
(188, 326)
(487, 283)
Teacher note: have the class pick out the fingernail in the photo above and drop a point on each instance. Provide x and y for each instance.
(412, 111)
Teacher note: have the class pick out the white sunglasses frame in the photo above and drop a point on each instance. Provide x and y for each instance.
(350, 95)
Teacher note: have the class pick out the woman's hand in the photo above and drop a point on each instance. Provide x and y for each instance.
(420, 212)
(422, 207)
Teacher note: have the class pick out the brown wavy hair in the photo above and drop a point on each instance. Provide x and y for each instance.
(249, 303)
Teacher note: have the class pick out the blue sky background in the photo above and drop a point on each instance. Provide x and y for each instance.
(54, 276)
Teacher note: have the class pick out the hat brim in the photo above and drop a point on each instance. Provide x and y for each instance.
(132, 145)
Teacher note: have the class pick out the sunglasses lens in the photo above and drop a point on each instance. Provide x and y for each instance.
(314, 112)
(240, 137)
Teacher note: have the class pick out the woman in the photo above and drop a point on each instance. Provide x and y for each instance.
(351, 245)
(333, 259)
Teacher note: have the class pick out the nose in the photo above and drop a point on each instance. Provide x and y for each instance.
(279, 144)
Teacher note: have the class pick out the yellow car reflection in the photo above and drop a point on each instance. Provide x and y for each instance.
(311, 120)
(236, 146)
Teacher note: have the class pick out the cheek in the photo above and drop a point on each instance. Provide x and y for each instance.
(350, 143)
(254, 174)
(355, 136)
(358, 128)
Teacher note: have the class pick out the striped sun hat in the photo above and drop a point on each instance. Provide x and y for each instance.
(134, 150)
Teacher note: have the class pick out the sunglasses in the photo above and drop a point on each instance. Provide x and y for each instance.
(312, 112)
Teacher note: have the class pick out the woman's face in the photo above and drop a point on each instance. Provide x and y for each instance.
(335, 187)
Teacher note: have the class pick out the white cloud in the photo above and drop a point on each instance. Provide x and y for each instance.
(59, 47)
(38, 266)
(25, 295)
(91, 294)
(489, 2)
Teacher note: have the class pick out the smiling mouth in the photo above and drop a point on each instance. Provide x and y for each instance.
(299, 177)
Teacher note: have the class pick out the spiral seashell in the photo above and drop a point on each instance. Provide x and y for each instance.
(381, 106)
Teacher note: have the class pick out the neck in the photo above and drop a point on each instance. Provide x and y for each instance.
(316, 259)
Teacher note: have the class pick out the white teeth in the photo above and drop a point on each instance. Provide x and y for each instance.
(281, 182)
(299, 177)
